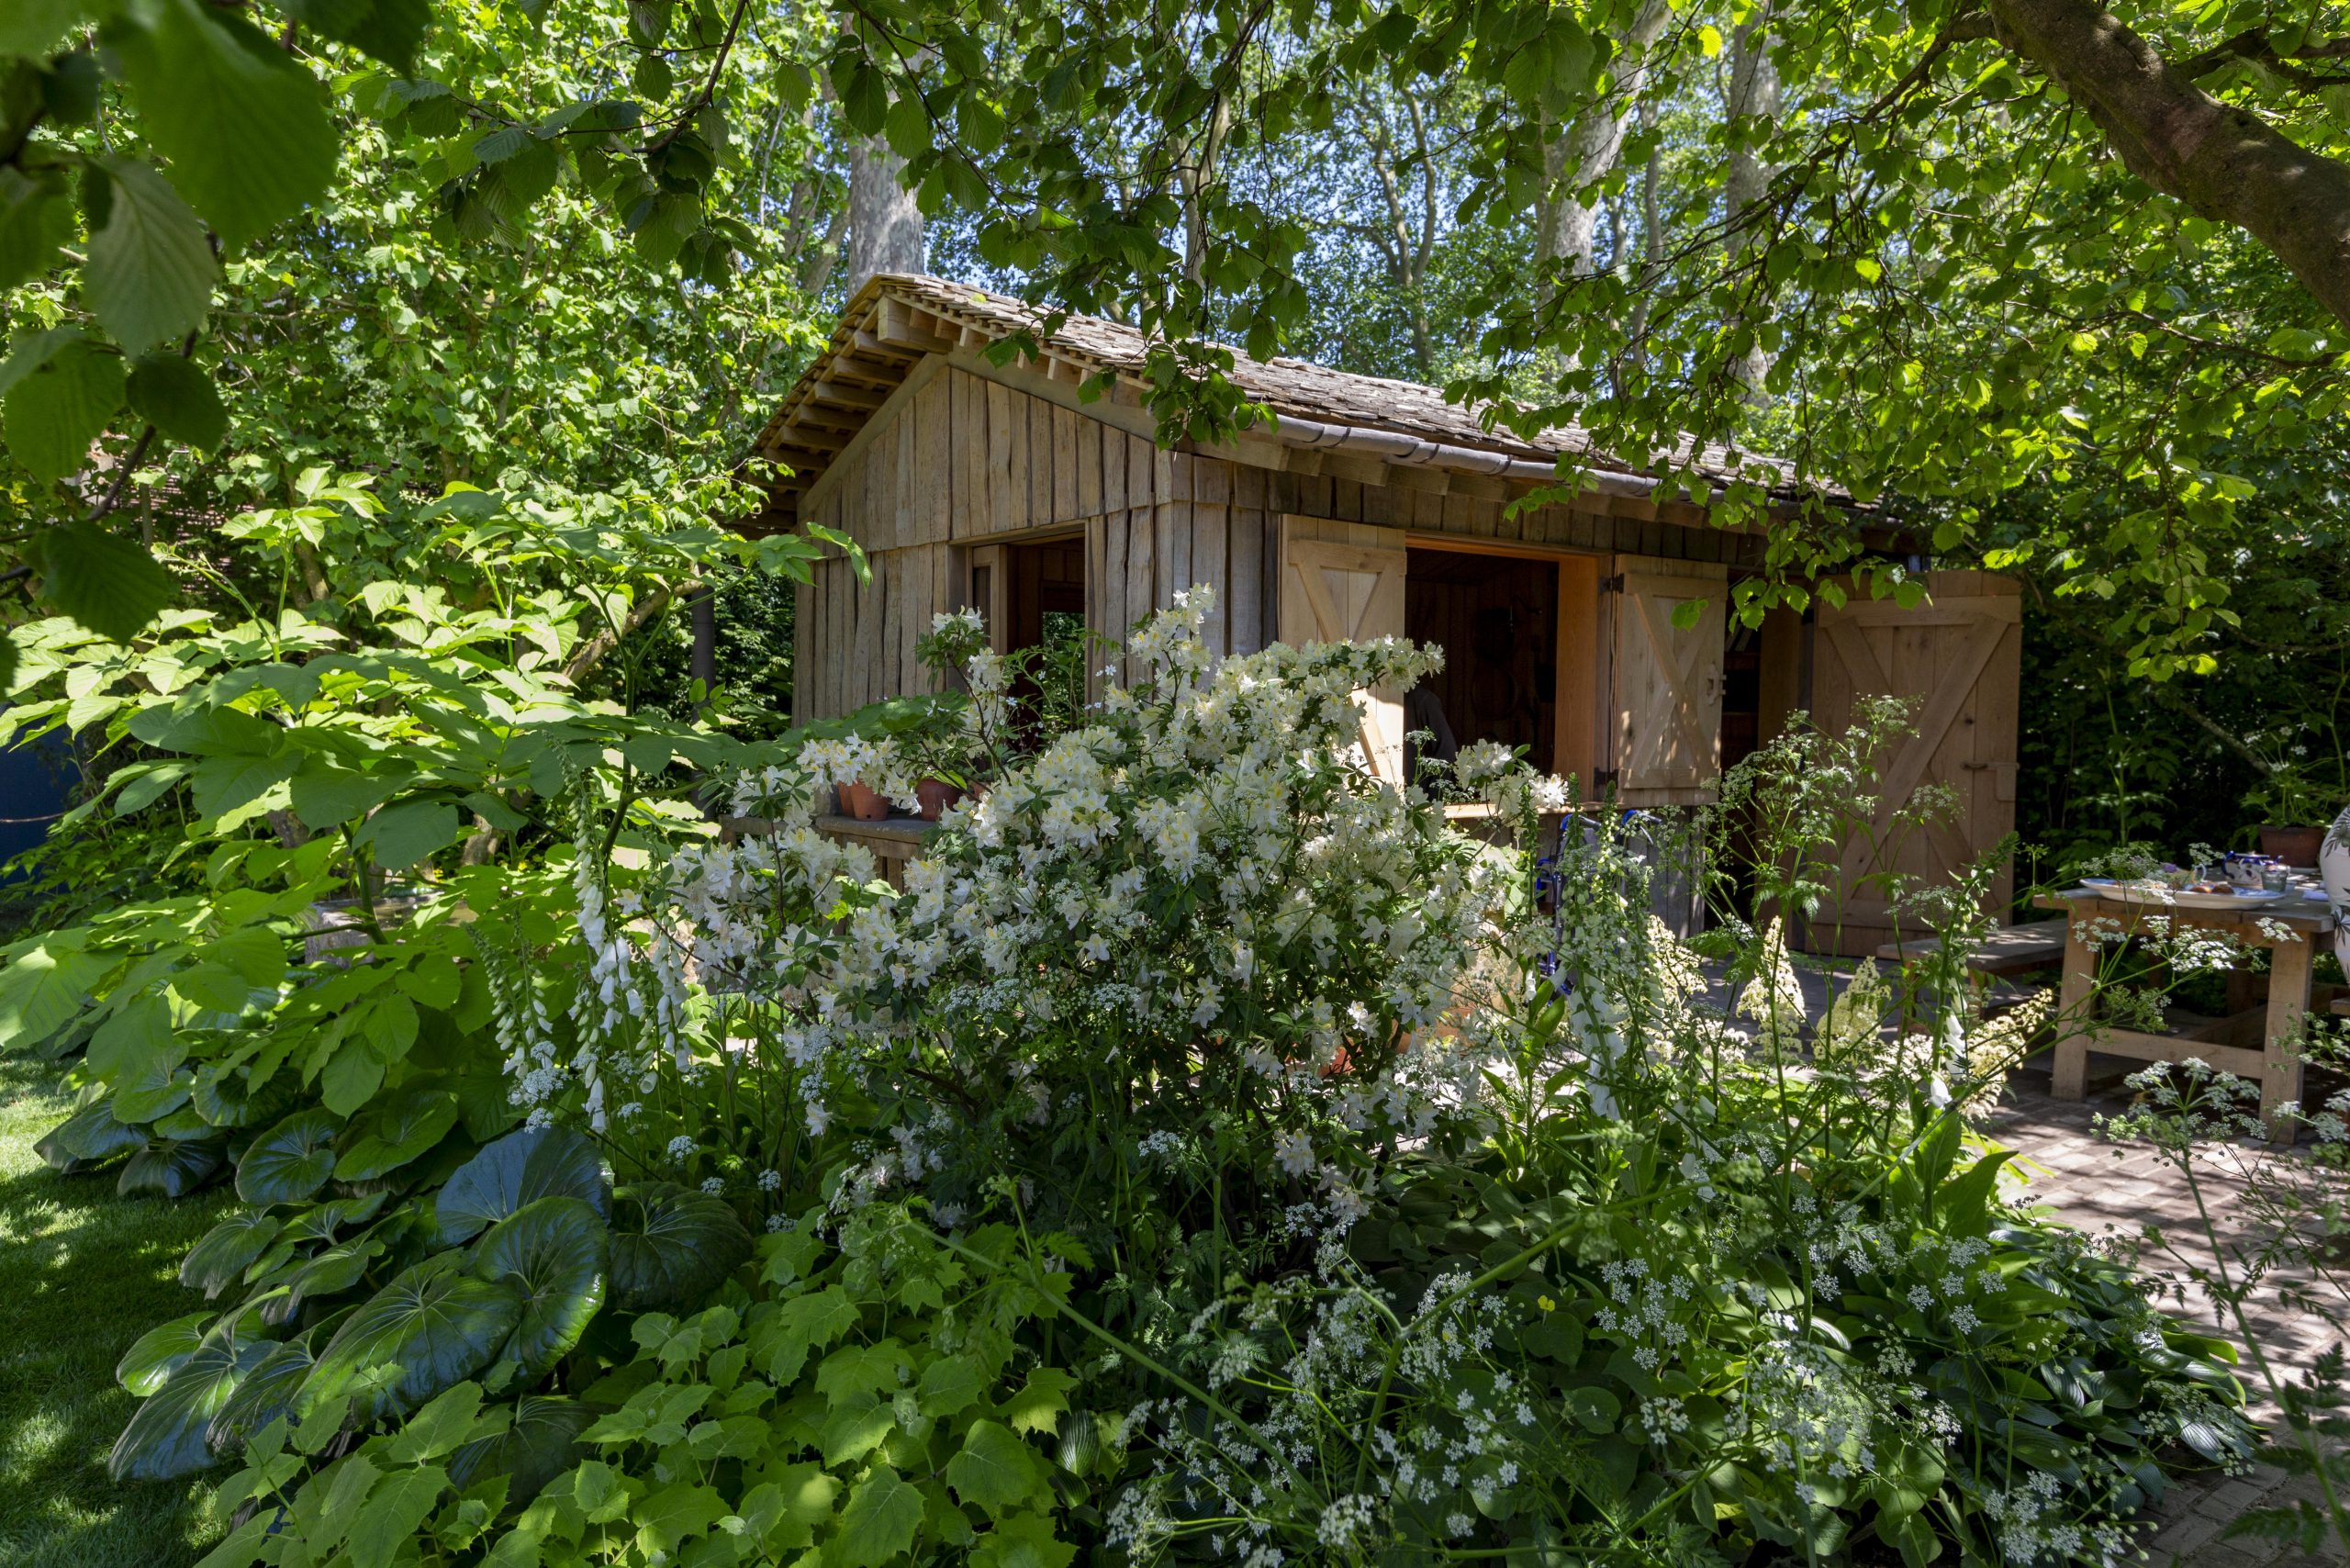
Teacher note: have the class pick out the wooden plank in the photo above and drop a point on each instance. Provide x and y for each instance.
(1142, 549)
(931, 421)
(1211, 481)
(1142, 472)
(1210, 523)
(1575, 733)
(1114, 446)
(970, 455)
(1174, 565)
(1091, 434)
(1021, 505)
(1244, 570)
(1000, 470)
(1065, 464)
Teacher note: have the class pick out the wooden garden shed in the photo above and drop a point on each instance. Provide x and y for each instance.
(1369, 507)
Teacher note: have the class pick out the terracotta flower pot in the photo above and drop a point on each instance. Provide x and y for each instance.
(2293, 845)
(935, 795)
(864, 804)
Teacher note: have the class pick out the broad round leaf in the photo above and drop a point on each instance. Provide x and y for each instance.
(266, 1392)
(431, 1328)
(519, 1169)
(393, 1131)
(541, 1444)
(291, 1160)
(155, 1354)
(51, 417)
(671, 1247)
(332, 1272)
(225, 1097)
(171, 1170)
(91, 1136)
(178, 398)
(156, 1086)
(555, 1252)
(165, 1436)
(226, 1251)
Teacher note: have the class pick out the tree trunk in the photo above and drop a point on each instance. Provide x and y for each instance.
(884, 224)
(1753, 95)
(1586, 151)
(2225, 164)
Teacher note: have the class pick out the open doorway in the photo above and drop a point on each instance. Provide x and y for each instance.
(1497, 618)
(1033, 594)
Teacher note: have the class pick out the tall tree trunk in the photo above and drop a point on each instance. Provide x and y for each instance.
(2225, 164)
(1195, 182)
(1587, 150)
(884, 224)
(1752, 108)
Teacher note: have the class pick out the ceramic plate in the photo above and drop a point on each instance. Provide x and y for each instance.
(2165, 899)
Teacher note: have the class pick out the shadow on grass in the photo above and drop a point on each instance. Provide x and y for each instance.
(82, 1274)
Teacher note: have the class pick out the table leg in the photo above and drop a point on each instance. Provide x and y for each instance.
(2288, 998)
(2071, 1068)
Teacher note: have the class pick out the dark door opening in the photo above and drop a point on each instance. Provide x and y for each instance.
(1497, 618)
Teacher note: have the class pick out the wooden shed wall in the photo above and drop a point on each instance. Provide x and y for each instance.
(958, 456)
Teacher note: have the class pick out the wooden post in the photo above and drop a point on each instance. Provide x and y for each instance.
(2288, 997)
(2071, 1071)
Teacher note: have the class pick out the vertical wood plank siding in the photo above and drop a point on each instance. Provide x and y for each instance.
(960, 459)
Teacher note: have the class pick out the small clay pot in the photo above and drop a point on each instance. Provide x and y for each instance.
(866, 805)
(935, 796)
(2293, 845)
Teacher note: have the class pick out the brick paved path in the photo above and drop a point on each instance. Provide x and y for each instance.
(2117, 1192)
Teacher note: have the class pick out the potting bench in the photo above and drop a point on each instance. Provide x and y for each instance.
(2256, 1043)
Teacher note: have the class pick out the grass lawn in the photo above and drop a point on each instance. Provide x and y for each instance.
(82, 1273)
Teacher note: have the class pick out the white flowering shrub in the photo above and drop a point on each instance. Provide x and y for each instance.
(1203, 1151)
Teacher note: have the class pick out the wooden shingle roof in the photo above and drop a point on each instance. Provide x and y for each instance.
(895, 318)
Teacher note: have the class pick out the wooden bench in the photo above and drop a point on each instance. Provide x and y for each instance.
(2010, 950)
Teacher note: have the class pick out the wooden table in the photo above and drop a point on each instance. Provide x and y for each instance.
(2252, 1044)
(2003, 950)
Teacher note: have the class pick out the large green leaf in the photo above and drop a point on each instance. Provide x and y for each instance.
(393, 1131)
(519, 1169)
(150, 270)
(165, 1436)
(292, 1160)
(879, 1521)
(541, 1443)
(226, 1251)
(388, 30)
(431, 1328)
(334, 1270)
(36, 27)
(44, 987)
(154, 1086)
(671, 1247)
(266, 1392)
(155, 1354)
(171, 1170)
(244, 124)
(401, 835)
(36, 218)
(554, 1252)
(176, 398)
(223, 1096)
(53, 415)
(995, 1469)
(91, 1136)
(103, 580)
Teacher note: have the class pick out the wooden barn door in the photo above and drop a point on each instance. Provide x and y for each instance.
(1668, 681)
(1957, 659)
(1343, 582)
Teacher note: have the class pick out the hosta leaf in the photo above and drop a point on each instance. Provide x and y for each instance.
(150, 1359)
(156, 1086)
(91, 1136)
(165, 1436)
(555, 1252)
(266, 1392)
(226, 1251)
(243, 123)
(292, 1160)
(671, 1246)
(393, 1131)
(171, 1170)
(150, 270)
(429, 1330)
(519, 1169)
(541, 1443)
